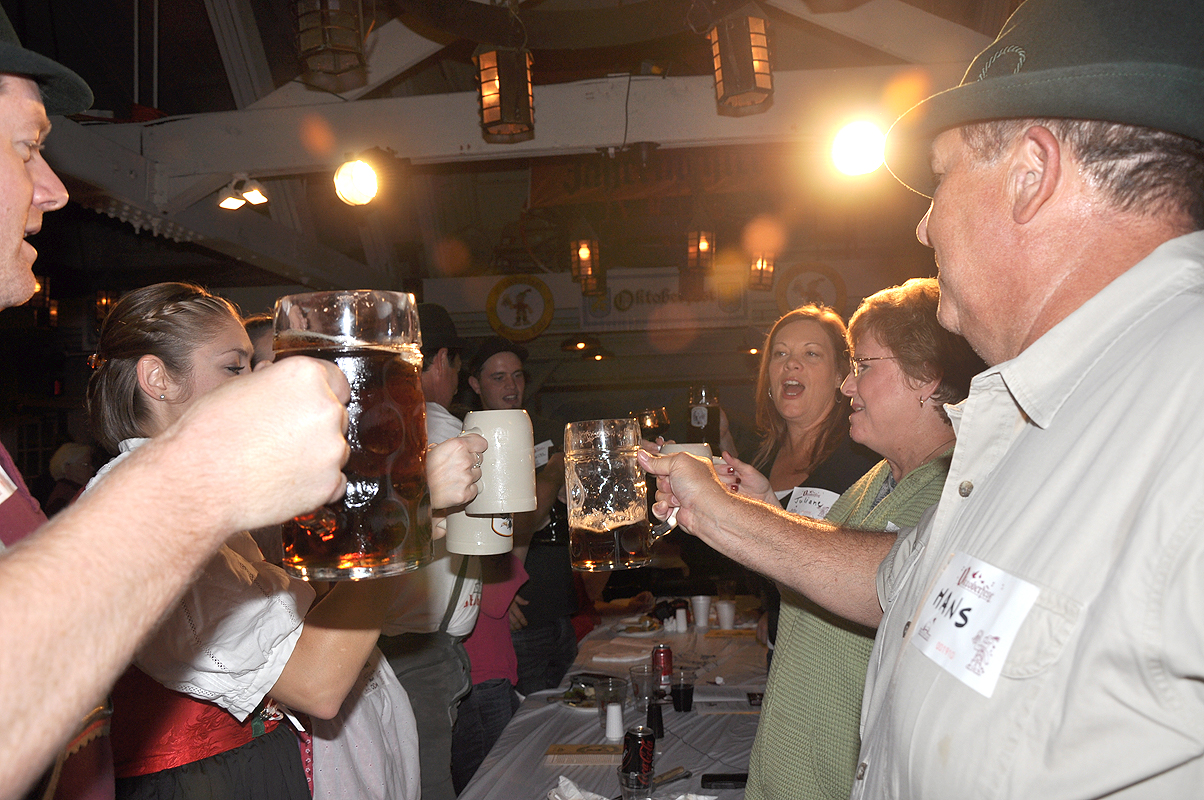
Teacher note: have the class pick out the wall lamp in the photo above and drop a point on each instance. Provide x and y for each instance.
(240, 191)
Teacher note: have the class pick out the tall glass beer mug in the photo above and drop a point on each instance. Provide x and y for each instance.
(382, 525)
(608, 507)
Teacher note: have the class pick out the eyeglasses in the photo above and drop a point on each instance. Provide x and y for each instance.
(856, 364)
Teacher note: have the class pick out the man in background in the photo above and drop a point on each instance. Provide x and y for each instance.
(541, 627)
(437, 606)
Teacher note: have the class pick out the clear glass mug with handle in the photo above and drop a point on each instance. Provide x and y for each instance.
(609, 527)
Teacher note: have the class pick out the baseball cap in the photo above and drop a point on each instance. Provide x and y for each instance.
(490, 348)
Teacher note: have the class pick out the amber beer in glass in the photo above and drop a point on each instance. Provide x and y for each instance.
(382, 525)
(608, 507)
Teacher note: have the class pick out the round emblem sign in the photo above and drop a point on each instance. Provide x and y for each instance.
(520, 307)
(810, 283)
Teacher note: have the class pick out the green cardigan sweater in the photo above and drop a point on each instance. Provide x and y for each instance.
(808, 736)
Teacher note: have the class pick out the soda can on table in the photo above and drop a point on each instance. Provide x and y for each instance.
(662, 660)
(639, 751)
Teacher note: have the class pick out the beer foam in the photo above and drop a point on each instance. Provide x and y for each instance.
(293, 340)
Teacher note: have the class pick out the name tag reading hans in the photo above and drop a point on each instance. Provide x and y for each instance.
(970, 619)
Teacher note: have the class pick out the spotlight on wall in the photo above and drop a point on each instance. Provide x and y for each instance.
(242, 190)
(330, 35)
(740, 49)
(504, 95)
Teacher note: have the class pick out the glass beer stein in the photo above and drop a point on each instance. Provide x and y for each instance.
(382, 525)
(609, 527)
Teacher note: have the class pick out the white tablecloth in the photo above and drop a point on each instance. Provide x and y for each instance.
(701, 743)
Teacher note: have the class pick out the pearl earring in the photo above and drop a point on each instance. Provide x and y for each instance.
(164, 397)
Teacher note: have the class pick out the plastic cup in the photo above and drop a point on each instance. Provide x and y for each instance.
(682, 689)
(644, 680)
(725, 610)
(606, 692)
(634, 786)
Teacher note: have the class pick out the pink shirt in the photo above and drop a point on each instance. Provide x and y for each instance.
(489, 647)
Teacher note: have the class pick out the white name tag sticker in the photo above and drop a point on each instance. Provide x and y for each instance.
(809, 502)
(969, 620)
(541, 452)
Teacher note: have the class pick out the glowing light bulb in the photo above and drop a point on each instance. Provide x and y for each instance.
(858, 148)
(355, 183)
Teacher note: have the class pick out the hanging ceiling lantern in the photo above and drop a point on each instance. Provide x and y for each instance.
(104, 301)
(594, 283)
(760, 274)
(330, 34)
(700, 242)
(740, 48)
(583, 249)
(507, 105)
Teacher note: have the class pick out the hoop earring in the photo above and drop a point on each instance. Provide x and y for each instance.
(923, 400)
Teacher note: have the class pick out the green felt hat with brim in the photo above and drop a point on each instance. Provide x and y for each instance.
(1136, 62)
(63, 92)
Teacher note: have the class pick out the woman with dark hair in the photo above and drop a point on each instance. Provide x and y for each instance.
(215, 702)
(904, 367)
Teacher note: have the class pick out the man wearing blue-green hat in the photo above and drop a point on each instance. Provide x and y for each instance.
(1041, 632)
(78, 594)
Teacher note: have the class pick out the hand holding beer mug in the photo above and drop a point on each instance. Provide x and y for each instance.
(607, 497)
(382, 525)
(507, 484)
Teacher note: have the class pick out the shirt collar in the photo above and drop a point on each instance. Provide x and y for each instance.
(1047, 372)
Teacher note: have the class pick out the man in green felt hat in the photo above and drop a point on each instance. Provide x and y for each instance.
(80, 593)
(1041, 632)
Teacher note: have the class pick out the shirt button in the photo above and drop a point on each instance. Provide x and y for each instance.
(906, 628)
(861, 771)
(964, 488)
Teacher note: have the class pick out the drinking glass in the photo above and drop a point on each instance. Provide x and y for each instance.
(382, 525)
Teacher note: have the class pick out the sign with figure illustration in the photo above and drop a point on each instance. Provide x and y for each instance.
(520, 307)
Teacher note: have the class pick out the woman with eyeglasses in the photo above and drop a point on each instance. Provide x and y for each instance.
(904, 368)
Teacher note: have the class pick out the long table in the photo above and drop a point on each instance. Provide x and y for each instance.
(728, 663)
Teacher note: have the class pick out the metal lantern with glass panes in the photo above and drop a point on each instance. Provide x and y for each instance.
(507, 104)
(740, 48)
(760, 273)
(330, 35)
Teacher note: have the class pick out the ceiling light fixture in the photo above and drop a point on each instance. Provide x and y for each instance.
(242, 190)
(760, 274)
(506, 101)
(580, 344)
(355, 182)
(700, 256)
(583, 249)
(740, 48)
(330, 35)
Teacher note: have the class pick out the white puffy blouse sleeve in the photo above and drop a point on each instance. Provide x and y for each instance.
(232, 632)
